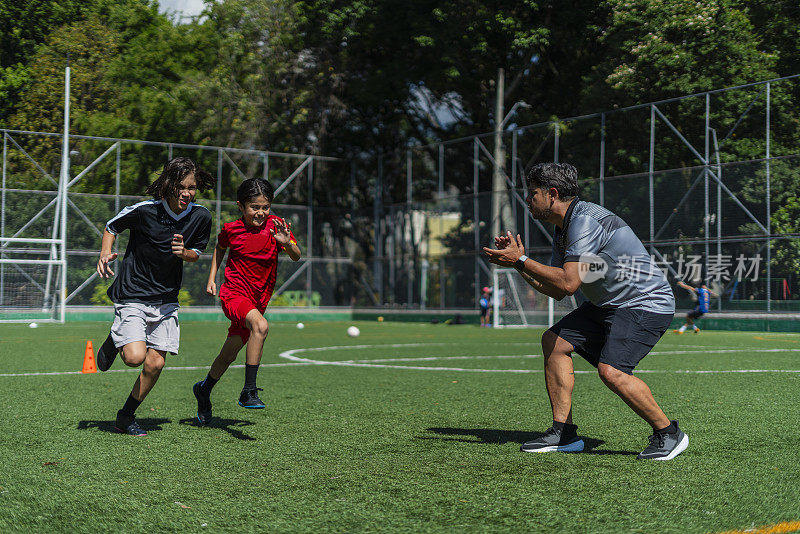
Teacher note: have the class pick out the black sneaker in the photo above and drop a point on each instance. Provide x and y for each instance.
(665, 445)
(249, 399)
(129, 426)
(106, 354)
(556, 440)
(203, 403)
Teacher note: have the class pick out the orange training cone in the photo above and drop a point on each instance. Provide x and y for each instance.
(88, 359)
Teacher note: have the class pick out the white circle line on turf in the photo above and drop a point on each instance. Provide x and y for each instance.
(292, 355)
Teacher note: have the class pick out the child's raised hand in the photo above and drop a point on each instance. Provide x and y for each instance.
(281, 231)
(103, 269)
(177, 245)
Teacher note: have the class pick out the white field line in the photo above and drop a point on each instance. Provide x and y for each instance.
(381, 362)
(138, 370)
(292, 355)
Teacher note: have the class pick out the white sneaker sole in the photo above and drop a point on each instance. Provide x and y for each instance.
(576, 446)
(677, 450)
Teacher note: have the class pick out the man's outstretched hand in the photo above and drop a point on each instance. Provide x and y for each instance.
(508, 251)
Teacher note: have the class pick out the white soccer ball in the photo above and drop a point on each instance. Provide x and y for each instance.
(33, 325)
(353, 331)
(300, 326)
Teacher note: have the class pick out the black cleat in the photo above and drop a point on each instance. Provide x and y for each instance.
(665, 445)
(249, 399)
(129, 426)
(203, 403)
(106, 354)
(553, 440)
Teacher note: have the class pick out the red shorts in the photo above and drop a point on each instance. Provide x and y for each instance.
(236, 308)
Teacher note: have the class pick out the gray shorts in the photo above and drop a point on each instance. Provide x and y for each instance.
(156, 325)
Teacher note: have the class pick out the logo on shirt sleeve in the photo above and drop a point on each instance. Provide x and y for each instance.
(591, 268)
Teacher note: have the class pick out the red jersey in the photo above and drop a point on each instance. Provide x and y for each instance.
(252, 264)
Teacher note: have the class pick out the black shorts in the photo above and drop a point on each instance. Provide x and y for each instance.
(695, 314)
(619, 337)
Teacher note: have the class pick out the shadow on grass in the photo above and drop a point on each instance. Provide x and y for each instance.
(501, 437)
(228, 425)
(147, 423)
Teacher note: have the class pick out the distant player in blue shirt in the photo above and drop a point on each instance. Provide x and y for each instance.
(486, 304)
(703, 302)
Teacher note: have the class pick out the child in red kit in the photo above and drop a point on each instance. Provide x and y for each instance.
(255, 241)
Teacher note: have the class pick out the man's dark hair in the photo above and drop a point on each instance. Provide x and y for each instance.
(562, 177)
(254, 187)
(175, 170)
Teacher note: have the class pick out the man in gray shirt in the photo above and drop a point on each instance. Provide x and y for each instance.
(629, 305)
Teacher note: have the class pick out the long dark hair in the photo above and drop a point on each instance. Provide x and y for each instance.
(175, 170)
(254, 187)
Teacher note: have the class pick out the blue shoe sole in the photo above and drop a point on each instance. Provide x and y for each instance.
(253, 407)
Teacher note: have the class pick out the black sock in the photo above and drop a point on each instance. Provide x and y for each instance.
(671, 429)
(561, 427)
(208, 384)
(250, 372)
(129, 409)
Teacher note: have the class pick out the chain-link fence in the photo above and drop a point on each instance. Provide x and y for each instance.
(106, 175)
(708, 182)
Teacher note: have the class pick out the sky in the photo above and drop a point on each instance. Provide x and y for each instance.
(187, 8)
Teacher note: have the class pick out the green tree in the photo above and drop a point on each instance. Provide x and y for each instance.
(24, 25)
(90, 46)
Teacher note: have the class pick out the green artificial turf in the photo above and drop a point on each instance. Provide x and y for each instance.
(353, 448)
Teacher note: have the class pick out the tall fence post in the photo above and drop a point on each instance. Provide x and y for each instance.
(377, 213)
(602, 192)
(514, 213)
(65, 174)
(3, 218)
(442, 278)
(410, 265)
(309, 232)
(475, 216)
(650, 169)
(526, 225)
(117, 176)
(218, 205)
(769, 210)
(556, 137)
(719, 206)
(706, 199)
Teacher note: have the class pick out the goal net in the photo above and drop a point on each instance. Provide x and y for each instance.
(516, 304)
(30, 280)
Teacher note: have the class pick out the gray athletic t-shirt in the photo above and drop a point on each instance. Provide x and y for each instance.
(594, 235)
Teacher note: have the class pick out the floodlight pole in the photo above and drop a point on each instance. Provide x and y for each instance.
(501, 211)
(498, 183)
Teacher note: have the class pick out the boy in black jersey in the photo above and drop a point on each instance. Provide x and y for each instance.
(164, 233)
